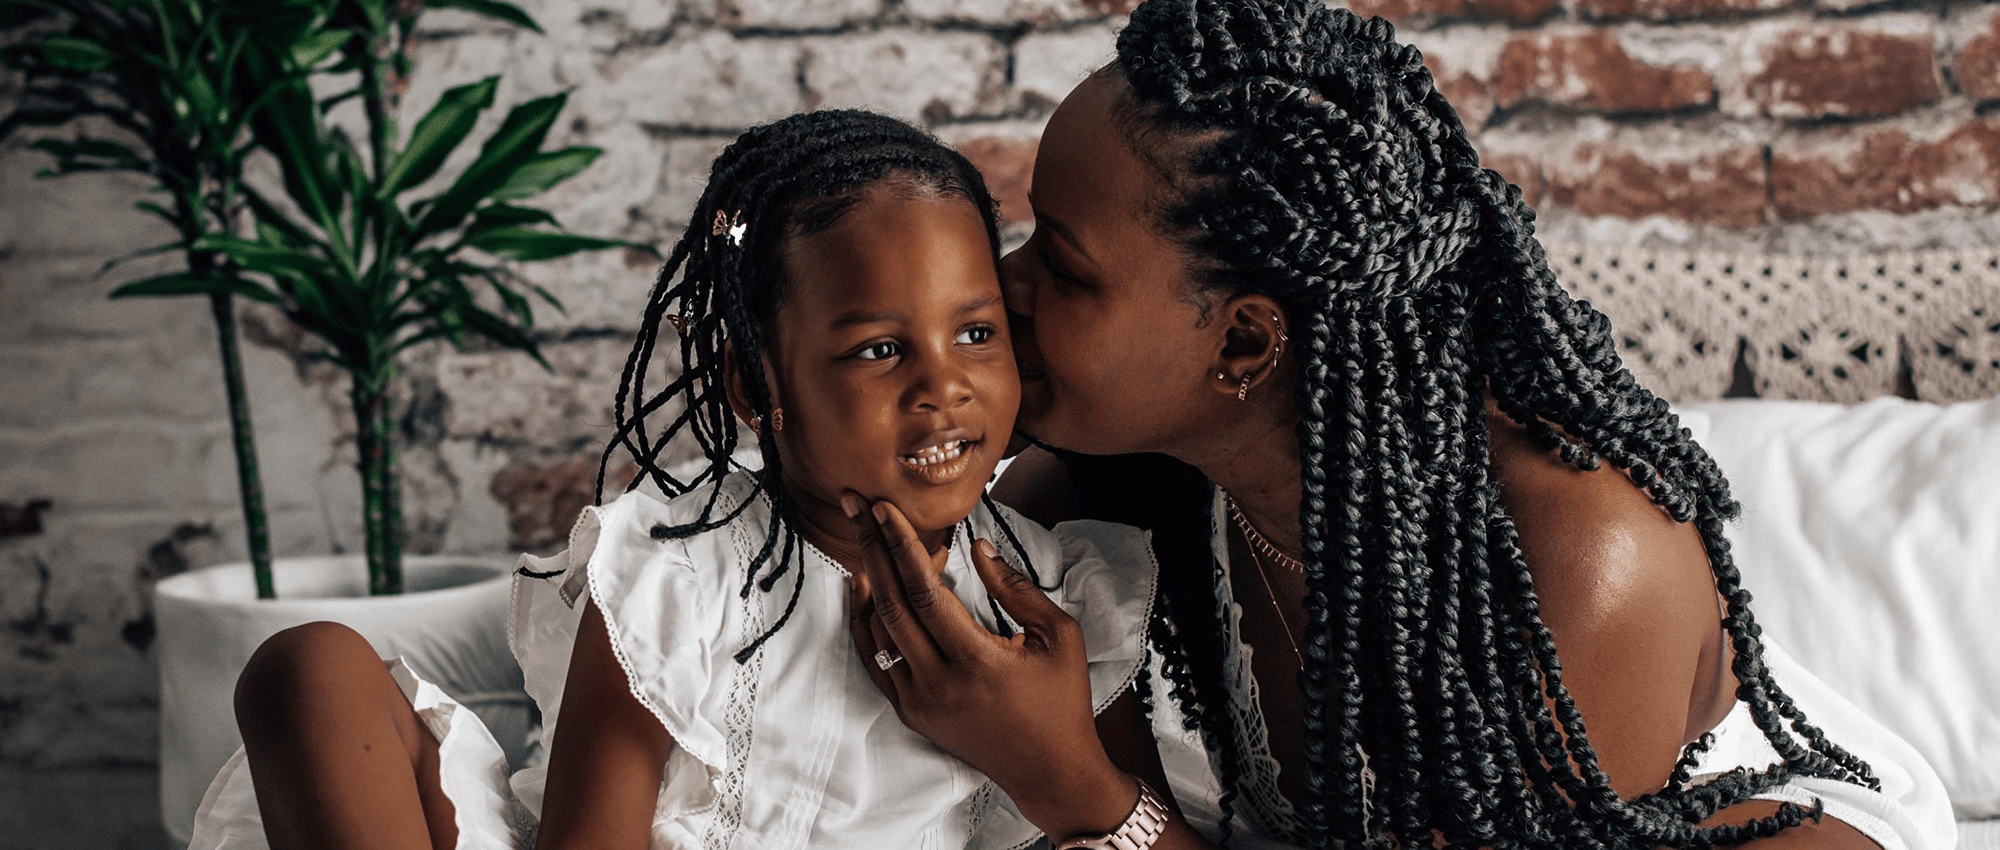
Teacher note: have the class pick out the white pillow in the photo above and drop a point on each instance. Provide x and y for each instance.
(1870, 540)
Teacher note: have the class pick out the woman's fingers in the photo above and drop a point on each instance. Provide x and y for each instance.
(941, 614)
(885, 584)
(867, 640)
(1026, 603)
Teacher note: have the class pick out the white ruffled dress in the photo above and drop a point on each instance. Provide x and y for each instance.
(795, 748)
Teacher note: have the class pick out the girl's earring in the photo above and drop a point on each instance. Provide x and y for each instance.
(777, 419)
(757, 425)
(1243, 389)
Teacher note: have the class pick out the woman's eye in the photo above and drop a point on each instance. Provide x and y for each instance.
(879, 351)
(975, 335)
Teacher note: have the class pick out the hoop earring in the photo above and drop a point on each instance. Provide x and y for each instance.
(777, 419)
(1243, 390)
(757, 425)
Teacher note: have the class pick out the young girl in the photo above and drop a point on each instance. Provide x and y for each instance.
(838, 297)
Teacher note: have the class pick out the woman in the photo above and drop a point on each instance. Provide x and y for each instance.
(1442, 532)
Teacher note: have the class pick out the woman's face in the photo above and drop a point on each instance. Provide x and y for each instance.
(892, 362)
(1115, 352)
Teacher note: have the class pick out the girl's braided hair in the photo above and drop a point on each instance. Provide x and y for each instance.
(792, 177)
(1319, 165)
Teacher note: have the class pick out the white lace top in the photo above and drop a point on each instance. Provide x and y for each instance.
(796, 748)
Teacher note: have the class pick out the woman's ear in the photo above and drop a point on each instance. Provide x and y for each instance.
(1254, 342)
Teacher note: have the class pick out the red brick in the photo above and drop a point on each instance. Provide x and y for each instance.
(1978, 65)
(1723, 187)
(1521, 169)
(1592, 71)
(543, 499)
(1409, 11)
(1842, 72)
(1009, 167)
(1672, 10)
(1887, 169)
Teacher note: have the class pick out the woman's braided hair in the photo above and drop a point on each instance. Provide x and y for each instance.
(792, 177)
(1322, 168)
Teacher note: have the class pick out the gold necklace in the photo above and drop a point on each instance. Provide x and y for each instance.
(1252, 539)
(1257, 541)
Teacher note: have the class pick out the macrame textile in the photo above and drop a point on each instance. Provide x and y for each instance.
(1843, 329)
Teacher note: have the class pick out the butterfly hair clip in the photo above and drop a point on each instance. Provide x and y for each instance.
(731, 225)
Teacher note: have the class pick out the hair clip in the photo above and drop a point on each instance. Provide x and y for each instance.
(731, 224)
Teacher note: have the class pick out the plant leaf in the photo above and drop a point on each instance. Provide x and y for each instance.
(273, 260)
(491, 8)
(184, 283)
(520, 243)
(519, 137)
(507, 215)
(544, 170)
(114, 262)
(438, 133)
(75, 54)
(314, 48)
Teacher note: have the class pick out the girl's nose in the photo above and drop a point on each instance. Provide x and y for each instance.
(943, 385)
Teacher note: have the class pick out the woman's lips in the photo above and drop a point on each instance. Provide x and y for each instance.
(941, 464)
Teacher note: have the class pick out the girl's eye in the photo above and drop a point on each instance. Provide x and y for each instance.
(879, 351)
(975, 335)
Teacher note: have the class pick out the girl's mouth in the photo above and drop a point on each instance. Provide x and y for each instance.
(942, 463)
(937, 455)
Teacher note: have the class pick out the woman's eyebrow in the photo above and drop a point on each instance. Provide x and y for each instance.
(978, 304)
(1062, 230)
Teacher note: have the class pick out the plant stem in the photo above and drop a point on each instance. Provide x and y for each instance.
(372, 439)
(248, 481)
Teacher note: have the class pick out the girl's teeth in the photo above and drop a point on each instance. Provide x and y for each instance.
(936, 454)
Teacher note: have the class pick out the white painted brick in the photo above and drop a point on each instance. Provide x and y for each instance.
(1000, 12)
(508, 398)
(1048, 65)
(478, 523)
(88, 215)
(912, 75)
(706, 80)
(801, 14)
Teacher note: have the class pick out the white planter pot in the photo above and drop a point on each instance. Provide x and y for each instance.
(451, 626)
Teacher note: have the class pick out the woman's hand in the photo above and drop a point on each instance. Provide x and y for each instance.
(1017, 709)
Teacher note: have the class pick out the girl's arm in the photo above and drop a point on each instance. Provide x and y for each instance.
(1016, 709)
(608, 755)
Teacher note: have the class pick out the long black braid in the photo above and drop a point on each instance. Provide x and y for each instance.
(1319, 165)
(722, 285)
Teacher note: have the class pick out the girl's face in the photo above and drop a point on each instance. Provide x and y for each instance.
(891, 360)
(1116, 355)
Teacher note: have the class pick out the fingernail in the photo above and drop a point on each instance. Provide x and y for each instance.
(848, 505)
(986, 548)
(881, 512)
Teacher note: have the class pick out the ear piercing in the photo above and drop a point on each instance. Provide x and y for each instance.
(777, 421)
(1243, 389)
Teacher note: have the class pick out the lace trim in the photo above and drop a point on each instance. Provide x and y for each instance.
(727, 823)
(1257, 777)
(1841, 329)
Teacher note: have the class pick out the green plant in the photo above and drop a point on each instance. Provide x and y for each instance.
(353, 259)
(155, 88)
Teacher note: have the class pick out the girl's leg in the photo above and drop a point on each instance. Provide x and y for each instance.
(337, 755)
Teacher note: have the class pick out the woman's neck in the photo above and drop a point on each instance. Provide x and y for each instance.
(1254, 457)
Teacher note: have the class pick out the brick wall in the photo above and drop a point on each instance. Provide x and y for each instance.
(1791, 125)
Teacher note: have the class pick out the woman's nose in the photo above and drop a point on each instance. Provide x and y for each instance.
(1017, 282)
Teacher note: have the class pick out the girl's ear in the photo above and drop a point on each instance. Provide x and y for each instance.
(732, 386)
(1254, 343)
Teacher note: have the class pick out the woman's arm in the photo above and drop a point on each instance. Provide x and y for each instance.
(608, 755)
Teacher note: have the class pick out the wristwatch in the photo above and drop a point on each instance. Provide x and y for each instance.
(1141, 828)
